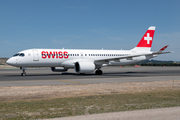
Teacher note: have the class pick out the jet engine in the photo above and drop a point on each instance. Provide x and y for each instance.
(84, 67)
(58, 69)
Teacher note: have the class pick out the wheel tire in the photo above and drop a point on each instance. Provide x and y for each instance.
(98, 72)
(23, 74)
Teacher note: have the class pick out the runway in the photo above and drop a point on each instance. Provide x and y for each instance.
(44, 76)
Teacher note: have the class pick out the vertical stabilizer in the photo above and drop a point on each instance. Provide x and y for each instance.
(146, 41)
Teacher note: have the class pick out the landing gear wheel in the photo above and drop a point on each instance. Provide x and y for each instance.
(98, 72)
(23, 74)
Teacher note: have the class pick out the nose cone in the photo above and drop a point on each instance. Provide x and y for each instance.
(11, 61)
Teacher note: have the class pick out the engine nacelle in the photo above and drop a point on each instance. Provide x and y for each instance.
(58, 69)
(84, 67)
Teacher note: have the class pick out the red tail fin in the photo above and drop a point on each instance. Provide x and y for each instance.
(146, 41)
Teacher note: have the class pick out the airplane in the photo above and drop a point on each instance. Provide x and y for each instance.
(85, 61)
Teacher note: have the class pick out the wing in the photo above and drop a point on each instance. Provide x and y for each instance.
(137, 55)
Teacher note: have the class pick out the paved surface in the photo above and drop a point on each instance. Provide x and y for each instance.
(149, 114)
(11, 77)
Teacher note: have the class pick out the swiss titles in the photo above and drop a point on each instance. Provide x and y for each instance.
(54, 54)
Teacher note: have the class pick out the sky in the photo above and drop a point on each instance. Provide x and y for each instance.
(88, 24)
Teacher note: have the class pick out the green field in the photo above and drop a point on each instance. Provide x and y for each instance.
(62, 107)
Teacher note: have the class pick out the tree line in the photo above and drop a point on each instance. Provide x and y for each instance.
(159, 64)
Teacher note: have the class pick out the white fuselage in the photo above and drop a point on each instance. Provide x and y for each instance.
(67, 57)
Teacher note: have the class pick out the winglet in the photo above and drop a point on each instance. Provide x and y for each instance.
(162, 49)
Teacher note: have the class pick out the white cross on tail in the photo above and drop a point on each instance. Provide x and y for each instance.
(148, 38)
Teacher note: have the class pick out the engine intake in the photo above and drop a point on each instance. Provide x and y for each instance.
(84, 67)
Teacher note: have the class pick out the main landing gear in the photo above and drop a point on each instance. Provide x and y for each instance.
(98, 72)
(23, 71)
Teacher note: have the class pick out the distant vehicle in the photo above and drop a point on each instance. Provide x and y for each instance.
(85, 61)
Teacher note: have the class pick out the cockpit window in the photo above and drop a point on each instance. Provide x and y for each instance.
(19, 54)
(16, 55)
(22, 54)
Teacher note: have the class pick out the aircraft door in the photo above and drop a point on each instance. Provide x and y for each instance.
(35, 55)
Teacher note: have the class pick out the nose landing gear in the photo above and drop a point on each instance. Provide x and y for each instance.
(23, 71)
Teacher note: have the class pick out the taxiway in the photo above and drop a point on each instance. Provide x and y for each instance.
(44, 76)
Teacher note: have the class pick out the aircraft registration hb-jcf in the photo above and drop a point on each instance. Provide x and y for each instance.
(85, 61)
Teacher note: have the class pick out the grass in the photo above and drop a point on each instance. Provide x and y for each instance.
(62, 107)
